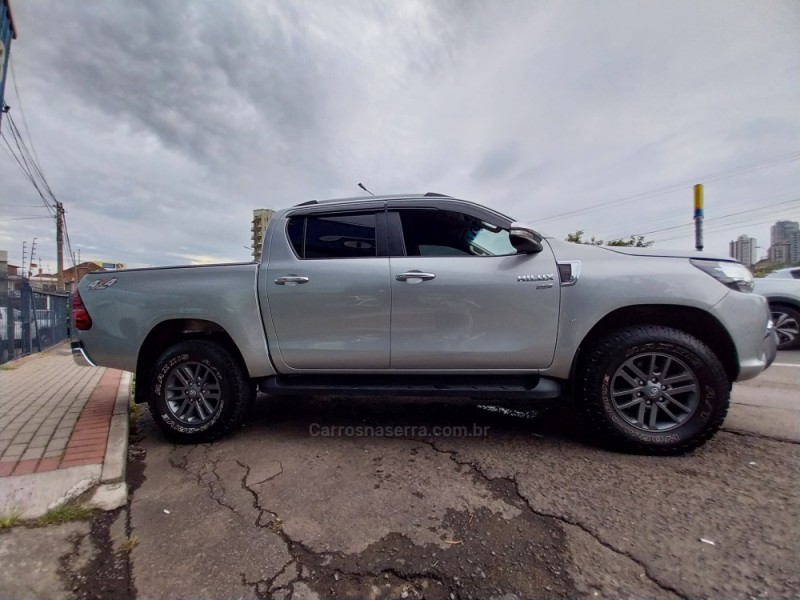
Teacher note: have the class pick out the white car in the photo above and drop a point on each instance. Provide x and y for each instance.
(782, 291)
(787, 273)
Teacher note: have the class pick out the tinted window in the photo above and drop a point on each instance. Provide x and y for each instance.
(449, 233)
(295, 231)
(333, 236)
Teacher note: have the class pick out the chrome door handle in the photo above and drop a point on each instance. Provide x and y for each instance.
(291, 279)
(410, 276)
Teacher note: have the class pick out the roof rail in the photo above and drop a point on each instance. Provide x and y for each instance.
(437, 195)
(307, 203)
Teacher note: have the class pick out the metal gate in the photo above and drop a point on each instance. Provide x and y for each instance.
(31, 321)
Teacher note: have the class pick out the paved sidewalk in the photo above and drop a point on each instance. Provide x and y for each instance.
(63, 431)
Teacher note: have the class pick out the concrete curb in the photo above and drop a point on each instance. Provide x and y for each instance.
(113, 490)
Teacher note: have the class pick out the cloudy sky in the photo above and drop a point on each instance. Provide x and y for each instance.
(162, 125)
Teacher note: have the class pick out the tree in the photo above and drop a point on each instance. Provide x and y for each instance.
(577, 238)
(636, 241)
(764, 267)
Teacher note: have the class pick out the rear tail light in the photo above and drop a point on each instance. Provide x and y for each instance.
(80, 316)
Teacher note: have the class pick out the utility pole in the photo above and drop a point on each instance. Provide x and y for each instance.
(60, 246)
(33, 253)
(698, 217)
(24, 254)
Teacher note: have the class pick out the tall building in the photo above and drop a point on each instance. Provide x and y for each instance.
(785, 242)
(782, 231)
(794, 247)
(743, 249)
(779, 253)
(261, 217)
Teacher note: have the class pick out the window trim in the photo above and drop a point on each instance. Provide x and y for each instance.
(381, 242)
(397, 244)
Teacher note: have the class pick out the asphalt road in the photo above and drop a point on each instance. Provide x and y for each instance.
(526, 508)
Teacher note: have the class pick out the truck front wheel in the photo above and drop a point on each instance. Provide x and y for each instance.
(198, 391)
(653, 389)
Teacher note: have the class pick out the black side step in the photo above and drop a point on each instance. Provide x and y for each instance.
(473, 386)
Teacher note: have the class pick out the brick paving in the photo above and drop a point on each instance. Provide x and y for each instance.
(53, 413)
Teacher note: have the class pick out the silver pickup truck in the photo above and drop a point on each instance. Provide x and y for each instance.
(428, 295)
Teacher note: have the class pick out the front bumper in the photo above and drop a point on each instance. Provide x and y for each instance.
(771, 343)
(79, 354)
(749, 323)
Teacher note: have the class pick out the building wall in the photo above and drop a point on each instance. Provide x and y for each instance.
(73, 275)
(261, 217)
(782, 231)
(785, 242)
(743, 249)
(794, 247)
(7, 33)
(779, 253)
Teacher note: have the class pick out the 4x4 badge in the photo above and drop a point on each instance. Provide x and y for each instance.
(101, 284)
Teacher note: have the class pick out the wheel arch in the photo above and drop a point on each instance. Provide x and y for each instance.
(170, 332)
(694, 321)
(783, 301)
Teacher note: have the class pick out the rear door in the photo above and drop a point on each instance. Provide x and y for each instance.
(328, 291)
(462, 297)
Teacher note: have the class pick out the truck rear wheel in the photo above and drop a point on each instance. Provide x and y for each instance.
(654, 390)
(198, 391)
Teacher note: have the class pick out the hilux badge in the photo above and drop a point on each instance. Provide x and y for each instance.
(538, 277)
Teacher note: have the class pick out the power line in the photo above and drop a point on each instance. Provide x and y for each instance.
(28, 161)
(718, 217)
(708, 178)
(29, 206)
(720, 227)
(70, 253)
(32, 168)
(25, 218)
(22, 165)
(19, 104)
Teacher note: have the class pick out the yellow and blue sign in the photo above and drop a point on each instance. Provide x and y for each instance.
(698, 200)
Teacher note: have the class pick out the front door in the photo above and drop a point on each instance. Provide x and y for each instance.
(463, 298)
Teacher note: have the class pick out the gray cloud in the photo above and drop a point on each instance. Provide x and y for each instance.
(161, 125)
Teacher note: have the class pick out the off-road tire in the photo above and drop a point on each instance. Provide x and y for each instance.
(233, 391)
(600, 368)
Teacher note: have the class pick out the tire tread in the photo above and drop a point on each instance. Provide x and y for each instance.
(593, 412)
(237, 406)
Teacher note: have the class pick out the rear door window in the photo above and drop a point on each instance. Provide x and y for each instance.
(334, 236)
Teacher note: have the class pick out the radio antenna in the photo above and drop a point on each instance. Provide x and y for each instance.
(361, 185)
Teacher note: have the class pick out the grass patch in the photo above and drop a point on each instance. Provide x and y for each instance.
(64, 513)
(134, 413)
(6, 368)
(134, 410)
(9, 519)
(130, 543)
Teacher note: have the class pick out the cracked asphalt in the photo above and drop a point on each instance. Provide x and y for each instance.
(529, 507)
(532, 509)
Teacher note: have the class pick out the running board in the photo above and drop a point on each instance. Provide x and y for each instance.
(473, 386)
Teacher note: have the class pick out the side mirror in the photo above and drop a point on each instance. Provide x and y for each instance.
(525, 240)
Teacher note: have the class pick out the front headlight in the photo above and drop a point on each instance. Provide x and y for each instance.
(735, 275)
